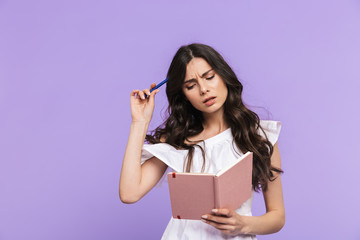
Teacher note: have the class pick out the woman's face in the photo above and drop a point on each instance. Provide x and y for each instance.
(203, 87)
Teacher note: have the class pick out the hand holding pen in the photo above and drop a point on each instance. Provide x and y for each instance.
(159, 85)
(156, 86)
(142, 102)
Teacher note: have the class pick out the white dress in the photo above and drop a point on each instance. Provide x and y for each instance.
(219, 153)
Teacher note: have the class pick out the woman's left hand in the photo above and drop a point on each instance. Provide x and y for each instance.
(227, 221)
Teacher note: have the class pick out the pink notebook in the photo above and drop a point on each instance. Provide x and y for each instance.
(195, 194)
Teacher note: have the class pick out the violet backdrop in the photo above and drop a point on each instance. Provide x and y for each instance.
(67, 69)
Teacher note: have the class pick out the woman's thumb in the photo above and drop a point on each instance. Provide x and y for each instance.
(152, 95)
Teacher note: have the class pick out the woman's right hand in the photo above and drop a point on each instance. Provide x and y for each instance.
(142, 107)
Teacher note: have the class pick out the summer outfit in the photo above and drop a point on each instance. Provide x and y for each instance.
(220, 151)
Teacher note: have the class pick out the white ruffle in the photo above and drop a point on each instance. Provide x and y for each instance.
(175, 158)
(217, 147)
(272, 130)
(172, 157)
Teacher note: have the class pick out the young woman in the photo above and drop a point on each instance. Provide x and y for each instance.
(208, 127)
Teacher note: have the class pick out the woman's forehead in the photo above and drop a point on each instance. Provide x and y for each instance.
(197, 67)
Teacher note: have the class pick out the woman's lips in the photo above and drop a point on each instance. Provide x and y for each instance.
(210, 101)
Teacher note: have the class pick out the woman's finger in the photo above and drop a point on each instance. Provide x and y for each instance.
(219, 226)
(133, 92)
(153, 93)
(223, 212)
(152, 96)
(152, 85)
(141, 94)
(147, 92)
(218, 219)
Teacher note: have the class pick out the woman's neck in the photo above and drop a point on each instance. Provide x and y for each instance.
(215, 122)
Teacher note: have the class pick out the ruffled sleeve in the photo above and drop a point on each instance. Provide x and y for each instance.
(272, 130)
(172, 157)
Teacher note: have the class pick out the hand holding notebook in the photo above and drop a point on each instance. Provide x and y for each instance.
(195, 194)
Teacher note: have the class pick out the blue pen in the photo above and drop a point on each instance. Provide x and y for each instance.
(159, 85)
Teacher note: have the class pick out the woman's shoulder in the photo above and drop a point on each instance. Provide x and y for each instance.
(270, 129)
(270, 123)
(168, 154)
(162, 146)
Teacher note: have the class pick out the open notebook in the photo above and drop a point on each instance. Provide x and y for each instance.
(195, 194)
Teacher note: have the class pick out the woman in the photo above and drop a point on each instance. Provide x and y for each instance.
(208, 128)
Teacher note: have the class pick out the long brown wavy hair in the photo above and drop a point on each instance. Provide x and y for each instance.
(185, 121)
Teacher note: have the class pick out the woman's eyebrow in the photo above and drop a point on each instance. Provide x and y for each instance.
(193, 79)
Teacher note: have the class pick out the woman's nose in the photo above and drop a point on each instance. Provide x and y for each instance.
(203, 88)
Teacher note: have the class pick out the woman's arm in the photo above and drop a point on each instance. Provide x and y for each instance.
(274, 218)
(272, 221)
(136, 179)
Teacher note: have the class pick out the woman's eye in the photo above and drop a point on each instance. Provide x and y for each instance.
(210, 77)
(190, 87)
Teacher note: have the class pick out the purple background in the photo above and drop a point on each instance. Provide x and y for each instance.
(67, 69)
